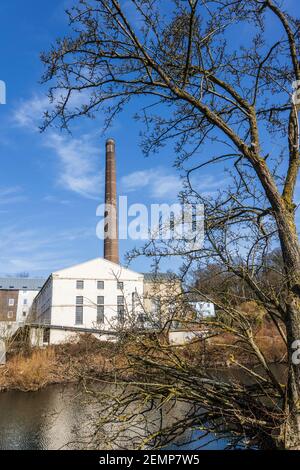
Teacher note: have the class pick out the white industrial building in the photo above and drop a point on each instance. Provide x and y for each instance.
(97, 295)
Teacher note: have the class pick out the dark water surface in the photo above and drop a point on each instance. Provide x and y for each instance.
(55, 418)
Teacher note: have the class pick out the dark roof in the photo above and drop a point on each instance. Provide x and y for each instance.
(159, 276)
(21, 283)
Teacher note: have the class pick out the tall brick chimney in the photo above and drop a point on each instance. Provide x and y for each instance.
(111, 242)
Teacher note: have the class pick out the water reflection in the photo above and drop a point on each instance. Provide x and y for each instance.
(60, 417)
(48, 419)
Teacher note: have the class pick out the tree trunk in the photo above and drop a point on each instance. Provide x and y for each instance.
(290, 435)
(291, 428)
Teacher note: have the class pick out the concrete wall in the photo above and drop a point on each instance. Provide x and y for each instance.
(36, 337)
(60, 336)
(2, 352)
(183, 337)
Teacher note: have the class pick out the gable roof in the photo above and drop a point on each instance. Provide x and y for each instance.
(113, 265)
(21, 283)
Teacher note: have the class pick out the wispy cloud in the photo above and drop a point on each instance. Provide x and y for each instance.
(78, 156)
(208, 185)
(11, 195)
(35, 251)
(156, 180)
(162, 185)
(29, 113)
(56, 200)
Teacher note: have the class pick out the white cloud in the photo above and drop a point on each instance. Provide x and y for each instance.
(166, 185)
(158, 183)
(78, 159)
(136, 180)
(30, 112)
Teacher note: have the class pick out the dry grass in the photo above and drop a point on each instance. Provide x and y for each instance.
(29, 373)
(57, 364)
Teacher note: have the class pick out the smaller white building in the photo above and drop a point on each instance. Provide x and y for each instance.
(16, 298)
(27, 295)
(94, 296)
(203, 309)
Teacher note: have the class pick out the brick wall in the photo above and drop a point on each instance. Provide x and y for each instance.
(8, 305)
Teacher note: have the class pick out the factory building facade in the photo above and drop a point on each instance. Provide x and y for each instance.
(96, 296)
(100, 297)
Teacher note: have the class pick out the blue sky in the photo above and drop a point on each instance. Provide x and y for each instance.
(51, 183)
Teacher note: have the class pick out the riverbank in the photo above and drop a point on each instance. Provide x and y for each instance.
(32, 370)
(61, 364)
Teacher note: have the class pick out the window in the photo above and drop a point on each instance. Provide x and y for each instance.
(25, 301)
(46, 335)
(11, 302)
(120, 285)
(24, 314)
(133, 299)
(142, 318)
(100, 313)
(79, 284)
(155, 306)
(100, 309)
(121, 308)
(79, 315)
(121, 313)
(79, 310)
(10, 314)
(100, 284)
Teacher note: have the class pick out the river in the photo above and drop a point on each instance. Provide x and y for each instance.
(58, 417)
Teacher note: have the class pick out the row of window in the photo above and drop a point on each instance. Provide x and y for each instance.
(100, 309)
(23, 288)
(11, 302)
(100, 300)
(100, 285)
(10, 315)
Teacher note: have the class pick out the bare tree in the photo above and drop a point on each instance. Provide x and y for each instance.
(216, 78)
